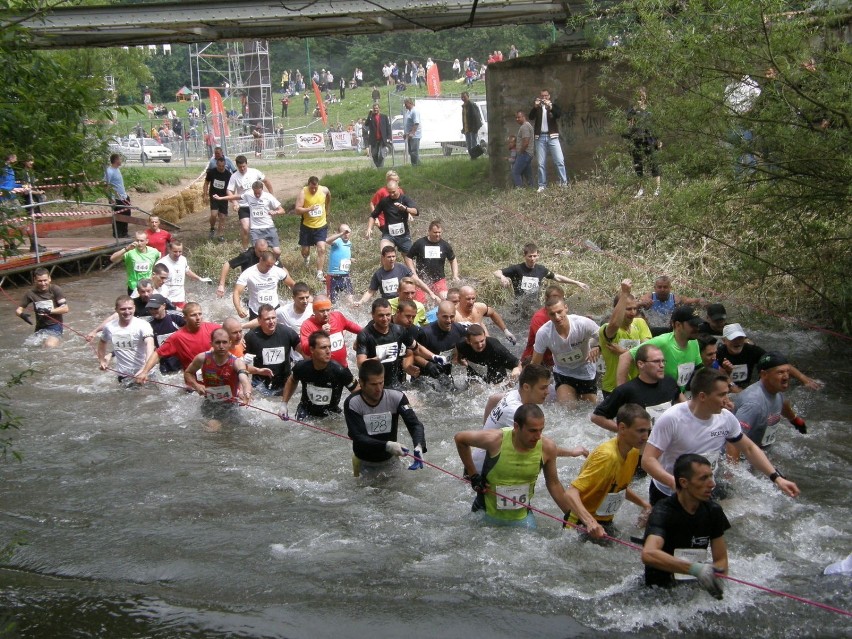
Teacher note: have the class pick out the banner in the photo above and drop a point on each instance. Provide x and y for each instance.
(310, 141)
(341, 141)
(320, 103)
(433, 81)
(218, 113)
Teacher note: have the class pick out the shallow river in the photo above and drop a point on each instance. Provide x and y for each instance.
(136, 522)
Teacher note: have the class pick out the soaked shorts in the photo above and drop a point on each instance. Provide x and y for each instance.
(337, 285)
(582, 386)
(270, 235)
(401, 242)
(219, 205)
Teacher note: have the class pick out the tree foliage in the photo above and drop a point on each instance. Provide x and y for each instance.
(757, 94)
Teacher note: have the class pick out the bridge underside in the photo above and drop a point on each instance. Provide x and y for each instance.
(205, 21)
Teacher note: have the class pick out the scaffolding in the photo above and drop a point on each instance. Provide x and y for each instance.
(240, 72)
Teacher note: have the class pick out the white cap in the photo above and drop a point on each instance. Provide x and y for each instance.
(733, 331)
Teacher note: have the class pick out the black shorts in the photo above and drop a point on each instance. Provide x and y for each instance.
(243, 212)
(312, 237)
(219, 205)
(582, 386)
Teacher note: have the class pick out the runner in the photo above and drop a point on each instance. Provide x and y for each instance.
(604, 480)
(387, 278)
(323, 381)
(329, 321)
(525, 278)
(314, 205)
(660, 304)
(486, 358)
(244, 260)
(339, 265)
(683, 526)
(571, 339)
(514, 458)
(268, 346)
(164, 323)
(397, 209)
(430, 254)
(623, 331)
(138, 258)
(407, 291)
(49, 305)
(158, 238)
(178, 272)
(372, 418)
(261, 282)
(241, 183)
(216, 183)
(469, 311)
(131, 339)
(539, 319)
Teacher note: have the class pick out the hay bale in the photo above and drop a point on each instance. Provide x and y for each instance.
(190, 201)
(167, 212)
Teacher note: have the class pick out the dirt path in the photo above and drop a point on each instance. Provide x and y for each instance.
(286, 183)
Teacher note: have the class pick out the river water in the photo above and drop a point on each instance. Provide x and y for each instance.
(136, 522)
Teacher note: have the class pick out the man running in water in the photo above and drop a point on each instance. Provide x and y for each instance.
(49, 305)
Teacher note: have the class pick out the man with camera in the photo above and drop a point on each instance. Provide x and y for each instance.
(544, 115)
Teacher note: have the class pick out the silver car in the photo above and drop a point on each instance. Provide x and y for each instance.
(147, 151)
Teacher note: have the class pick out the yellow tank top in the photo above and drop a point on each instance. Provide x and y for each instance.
(315, 218)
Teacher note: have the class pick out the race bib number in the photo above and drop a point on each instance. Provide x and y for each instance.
(345, 265)
(272, 356)
(337, 342)
(397, 229)
(315, 211)
(219, 393)
(123, 344)
(571, 358)
(739, 373)
(769, 435)
(692, 555)
(684, 373)
(387, 353)
(512, 497)
(258, 210)
(162, 338)
(432, 252)
(318, 395)
(530, 283)
(627, 344)
(497, 413)
(141, 267)
(390, 285)
(656, 411)
(601, 365)
(713, 458)
(611, 503)
(177, 278)
(267, 297)
(378, 423)
(218, 184)
(45, 306)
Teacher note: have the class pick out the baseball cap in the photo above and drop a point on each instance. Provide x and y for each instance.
(733, 331)
(717, 312)
(770, 360)
(687, 313)
(156, 301)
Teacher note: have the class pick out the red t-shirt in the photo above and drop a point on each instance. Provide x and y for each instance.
(378, 119)
(539, 319)
(159, 240)
(338, 324)
(187, 345)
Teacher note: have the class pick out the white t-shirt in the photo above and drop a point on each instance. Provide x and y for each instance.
(241, 183)
(678, 432)
(501, 416)
(289, 317)
(128, 344)
(569, 354)
(177, 278)
(262, 288)
(260, 209)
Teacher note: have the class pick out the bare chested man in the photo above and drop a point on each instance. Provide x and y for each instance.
(469, 311)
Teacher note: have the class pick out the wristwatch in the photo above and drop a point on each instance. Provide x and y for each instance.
(775, 476)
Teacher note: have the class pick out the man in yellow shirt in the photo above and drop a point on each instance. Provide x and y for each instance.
(603, 483)
(314, 205)
(623, 331)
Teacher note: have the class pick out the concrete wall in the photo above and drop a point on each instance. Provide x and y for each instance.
(513, 85)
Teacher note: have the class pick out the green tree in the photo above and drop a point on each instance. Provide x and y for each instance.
(755, 94)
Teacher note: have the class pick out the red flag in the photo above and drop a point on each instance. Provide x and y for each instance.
(218, 112)
(320, 103)
(433, 81)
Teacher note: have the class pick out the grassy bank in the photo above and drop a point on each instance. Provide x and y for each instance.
(151, 180)
(594, 232)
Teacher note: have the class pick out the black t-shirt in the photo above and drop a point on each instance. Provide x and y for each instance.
(679, 529)
(525, 280)
(440, 341)
(321, 390)
(272, 352)
(162, 328)
(387, 348)
(245, 259)
(394, 215)
(387, 282)
(430, 258)
(744, 362)
(638, 392)
(705, 329)
(218, 181)
(491, 363)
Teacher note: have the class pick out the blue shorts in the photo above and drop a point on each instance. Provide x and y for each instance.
(337, 285)
(402, 242)
(312, 237)
(50, 329)
(270, 235)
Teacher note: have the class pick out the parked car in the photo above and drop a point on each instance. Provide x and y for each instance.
(147, 151)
